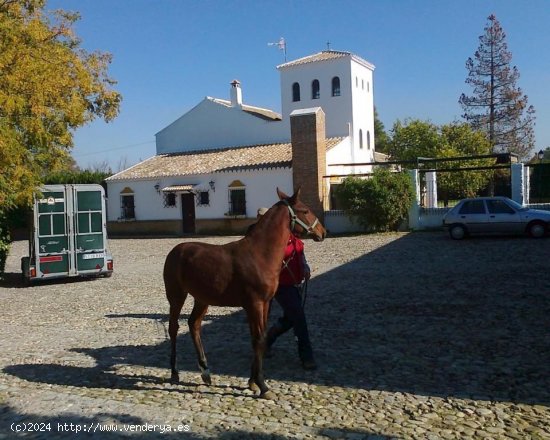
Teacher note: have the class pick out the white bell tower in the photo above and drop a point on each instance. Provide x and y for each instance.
(341, 83)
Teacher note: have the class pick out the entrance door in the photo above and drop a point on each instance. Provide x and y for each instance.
(53, 246)
(188, 212)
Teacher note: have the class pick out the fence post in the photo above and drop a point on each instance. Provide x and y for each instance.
(431, 189)
(518, 185)
(414, 212)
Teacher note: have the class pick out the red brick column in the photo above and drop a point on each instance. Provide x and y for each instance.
(307, 130)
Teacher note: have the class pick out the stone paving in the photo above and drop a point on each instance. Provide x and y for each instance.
(417, 337)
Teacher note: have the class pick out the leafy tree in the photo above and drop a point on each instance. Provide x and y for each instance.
(423, 139)
(460, 140)
(498, 106)
(380, 135)
(381, 202)
(413, 139)
(49, 86)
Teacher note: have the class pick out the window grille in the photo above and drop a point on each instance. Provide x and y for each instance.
(237, 202)
(335, 86)
(315, 92)
(295, 92)
(170, 200)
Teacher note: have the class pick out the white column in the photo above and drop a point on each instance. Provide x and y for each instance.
(431, 189)
(414, 212)
(518, 186)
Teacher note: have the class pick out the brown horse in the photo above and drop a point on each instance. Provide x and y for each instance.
(244, 273)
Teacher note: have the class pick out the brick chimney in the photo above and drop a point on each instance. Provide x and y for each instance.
(236, 93)
(307, 132)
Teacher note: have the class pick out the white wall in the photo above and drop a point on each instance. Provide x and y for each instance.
(260, 191)
(210, 125)
(363, 111)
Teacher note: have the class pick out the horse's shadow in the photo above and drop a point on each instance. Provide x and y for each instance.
(384, 321)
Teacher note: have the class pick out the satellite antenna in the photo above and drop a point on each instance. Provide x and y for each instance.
(281, 44)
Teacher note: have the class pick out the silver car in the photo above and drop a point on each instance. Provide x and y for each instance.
(495, 215)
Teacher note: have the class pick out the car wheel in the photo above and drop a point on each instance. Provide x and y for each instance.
(536, 229)
(457, 232)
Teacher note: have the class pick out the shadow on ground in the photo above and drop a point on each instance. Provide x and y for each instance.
(423, 314)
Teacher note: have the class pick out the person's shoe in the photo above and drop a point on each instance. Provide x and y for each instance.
(309, 364)
(306, 356)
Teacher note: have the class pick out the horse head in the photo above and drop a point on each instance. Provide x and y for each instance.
(302, 220)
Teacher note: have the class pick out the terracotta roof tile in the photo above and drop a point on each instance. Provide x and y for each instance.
(214, 161)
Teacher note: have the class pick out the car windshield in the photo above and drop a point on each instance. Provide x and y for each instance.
(515, 205)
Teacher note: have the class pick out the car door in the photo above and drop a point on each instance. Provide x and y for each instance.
(503, 218)
(473, 214)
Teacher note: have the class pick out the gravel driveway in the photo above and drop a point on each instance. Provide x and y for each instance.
(417, 336)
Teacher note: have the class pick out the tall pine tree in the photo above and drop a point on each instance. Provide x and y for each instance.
(497, 105)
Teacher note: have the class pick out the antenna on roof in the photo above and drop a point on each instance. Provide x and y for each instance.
(281, 44)
(328, 45)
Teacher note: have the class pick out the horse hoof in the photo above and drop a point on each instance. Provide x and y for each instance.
(175, 378)
(206, 378)
(252, 386)
(268, 395)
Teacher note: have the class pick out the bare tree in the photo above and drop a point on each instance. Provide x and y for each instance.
(498, 106)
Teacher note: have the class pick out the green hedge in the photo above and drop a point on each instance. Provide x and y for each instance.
(381, 202)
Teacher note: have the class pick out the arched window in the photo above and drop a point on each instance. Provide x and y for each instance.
(295, 92)
(315, 94)
(360, 139)
(368, 139)
(335, 86)
(127, 207)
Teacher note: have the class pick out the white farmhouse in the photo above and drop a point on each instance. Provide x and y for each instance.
(222, 160)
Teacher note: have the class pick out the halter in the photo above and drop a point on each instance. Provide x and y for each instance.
(294, 219)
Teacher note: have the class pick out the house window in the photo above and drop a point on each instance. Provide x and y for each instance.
(368, 139)
(360, 139)
(237, 201)
(127, 207)
(335, 86)
(203, 198)
(315, 93)
(363, 84)
(170, 200)
(295, 92)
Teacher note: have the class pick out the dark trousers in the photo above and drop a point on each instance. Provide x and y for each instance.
(290, 300)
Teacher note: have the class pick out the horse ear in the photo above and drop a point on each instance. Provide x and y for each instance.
(296, 194)
(281, 194)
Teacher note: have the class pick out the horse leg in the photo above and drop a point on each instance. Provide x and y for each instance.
(256, 317)
(194, 322)
(173, 326)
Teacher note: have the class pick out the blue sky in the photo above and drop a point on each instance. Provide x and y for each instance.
(169, 54)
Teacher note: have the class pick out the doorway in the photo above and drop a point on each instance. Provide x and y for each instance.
(188, 212)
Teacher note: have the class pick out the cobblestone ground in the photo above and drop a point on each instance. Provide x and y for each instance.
(417, 336)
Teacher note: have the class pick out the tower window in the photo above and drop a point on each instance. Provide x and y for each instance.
(295, 92)
(360, 139)
(368, 139)
(335, 86)
(315, 94)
